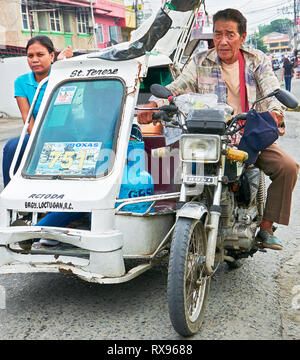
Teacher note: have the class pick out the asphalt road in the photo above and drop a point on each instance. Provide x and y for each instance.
(256, 301)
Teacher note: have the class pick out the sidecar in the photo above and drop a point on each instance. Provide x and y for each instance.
(75, 161)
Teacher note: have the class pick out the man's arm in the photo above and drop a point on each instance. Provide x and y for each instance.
(185, 83)
(267, 82)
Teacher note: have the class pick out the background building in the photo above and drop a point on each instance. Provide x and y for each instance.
(277, 42)
(83, 24)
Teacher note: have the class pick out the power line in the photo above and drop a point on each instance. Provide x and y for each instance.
(263, 8)
(264, 20)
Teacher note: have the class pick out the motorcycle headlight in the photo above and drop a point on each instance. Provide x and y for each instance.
(200, 148)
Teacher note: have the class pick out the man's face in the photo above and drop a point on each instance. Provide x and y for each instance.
(227, 40)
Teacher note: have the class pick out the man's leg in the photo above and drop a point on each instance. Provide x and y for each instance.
(286, 82)
(283, 172)
(289, 83)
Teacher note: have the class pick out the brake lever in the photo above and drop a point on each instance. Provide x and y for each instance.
(232, 132)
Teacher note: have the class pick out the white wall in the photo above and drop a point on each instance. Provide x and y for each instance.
(10, 69)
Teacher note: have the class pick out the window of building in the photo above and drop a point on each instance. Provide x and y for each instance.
(99, 34)
(66, 22)
(115, 33)
(27, 17)
(82, 22)
(42, 20)
(54, 20)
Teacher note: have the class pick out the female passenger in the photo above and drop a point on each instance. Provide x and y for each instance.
(40, 56)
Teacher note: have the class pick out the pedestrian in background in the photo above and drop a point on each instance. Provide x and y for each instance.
(287, 73)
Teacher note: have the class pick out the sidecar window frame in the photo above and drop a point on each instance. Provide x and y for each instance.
(69, 82)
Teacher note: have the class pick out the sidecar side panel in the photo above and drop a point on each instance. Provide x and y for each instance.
(142, 235)
(101, 251)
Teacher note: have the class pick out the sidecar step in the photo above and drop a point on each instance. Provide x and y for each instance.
(61, 249)
(23, 268)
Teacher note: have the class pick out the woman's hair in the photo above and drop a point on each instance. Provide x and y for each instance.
(43, 40)
(232, 15)
(286, 61)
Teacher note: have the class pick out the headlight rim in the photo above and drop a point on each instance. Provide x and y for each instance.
(215, 137)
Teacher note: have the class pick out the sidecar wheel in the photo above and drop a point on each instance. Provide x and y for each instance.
(188, 286)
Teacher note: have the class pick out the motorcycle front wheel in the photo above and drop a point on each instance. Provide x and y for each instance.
(188, 286)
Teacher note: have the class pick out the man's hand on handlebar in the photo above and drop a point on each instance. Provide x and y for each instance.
(279, 121)
(145, 116)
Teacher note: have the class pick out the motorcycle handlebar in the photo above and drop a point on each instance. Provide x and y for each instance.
(161, 115)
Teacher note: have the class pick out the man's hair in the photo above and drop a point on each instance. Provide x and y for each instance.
(232, 15)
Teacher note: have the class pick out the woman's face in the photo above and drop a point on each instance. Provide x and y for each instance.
(39, 59)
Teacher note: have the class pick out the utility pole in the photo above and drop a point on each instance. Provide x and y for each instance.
(29, 17)
(135, 7)
(93, 23)
(295, 24)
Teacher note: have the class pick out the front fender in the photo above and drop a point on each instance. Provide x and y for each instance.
(192, 210)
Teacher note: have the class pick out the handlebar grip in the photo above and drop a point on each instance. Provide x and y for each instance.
(156, 116)
(238, 155)
(161, 115)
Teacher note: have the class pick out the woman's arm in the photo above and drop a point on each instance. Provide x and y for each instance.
(24, 107)
(65, 54)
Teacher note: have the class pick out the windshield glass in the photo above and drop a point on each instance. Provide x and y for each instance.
(77, 136)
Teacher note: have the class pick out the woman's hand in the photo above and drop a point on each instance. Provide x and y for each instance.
(65, 54)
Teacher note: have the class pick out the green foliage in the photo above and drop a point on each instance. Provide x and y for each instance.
(257, 42)
(283, 26)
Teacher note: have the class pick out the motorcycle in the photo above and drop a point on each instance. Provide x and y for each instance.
(81, 158)
(220, 207)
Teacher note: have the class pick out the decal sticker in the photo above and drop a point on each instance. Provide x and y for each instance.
(48, 205)
(94, 72)
(68, 158)
(46, 196)
(65, 95)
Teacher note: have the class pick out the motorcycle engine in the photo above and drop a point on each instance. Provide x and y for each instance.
(239, 210)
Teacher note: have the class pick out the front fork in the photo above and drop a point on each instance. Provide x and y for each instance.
(213, 226)
(215, 213)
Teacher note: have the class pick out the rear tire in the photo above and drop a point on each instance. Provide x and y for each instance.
(188, 286)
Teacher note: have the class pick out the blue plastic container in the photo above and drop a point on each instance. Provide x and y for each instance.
(136, 180)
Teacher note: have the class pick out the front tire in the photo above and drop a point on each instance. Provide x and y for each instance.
(188, 286)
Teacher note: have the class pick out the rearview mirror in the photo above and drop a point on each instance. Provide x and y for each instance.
(286, 98)
(160, 91)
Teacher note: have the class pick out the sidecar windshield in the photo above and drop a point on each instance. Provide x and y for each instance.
(77, 136)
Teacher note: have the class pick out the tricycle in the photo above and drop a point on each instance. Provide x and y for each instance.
(85, 155)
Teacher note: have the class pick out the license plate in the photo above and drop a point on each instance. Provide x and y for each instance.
(200, 180)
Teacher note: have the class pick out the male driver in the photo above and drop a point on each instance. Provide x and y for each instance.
(218, 71)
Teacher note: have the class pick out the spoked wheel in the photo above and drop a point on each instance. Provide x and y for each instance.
(188, 286)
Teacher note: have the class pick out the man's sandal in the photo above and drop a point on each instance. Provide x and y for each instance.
(269, 240)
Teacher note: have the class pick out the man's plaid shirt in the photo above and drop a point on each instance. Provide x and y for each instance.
(203, 75)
